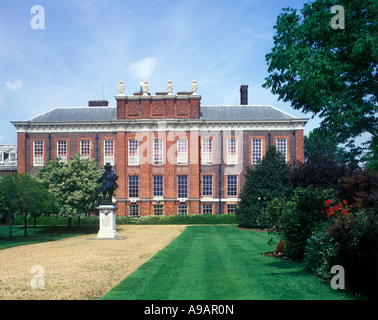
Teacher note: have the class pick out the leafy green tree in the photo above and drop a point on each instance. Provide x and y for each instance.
(329, 72)
(264, 181)
(74, 185)
(24, 194)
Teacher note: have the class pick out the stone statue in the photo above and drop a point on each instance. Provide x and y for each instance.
(109, 184)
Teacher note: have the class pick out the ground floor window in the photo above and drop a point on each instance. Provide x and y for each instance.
(158, 210)
(207, 208)
(133, 210)
(231, 208)
(182, 209)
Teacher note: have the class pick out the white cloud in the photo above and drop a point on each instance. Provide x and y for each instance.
(143, 68)
(13, 85)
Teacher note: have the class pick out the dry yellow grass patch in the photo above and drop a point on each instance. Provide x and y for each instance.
(78, 268)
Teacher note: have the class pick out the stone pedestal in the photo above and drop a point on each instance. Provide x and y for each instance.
(107, 222)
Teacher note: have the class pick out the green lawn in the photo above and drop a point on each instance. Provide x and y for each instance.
(40, 234)
(221, 263)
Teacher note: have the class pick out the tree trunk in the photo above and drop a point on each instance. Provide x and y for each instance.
(26, 224)
(35, 221)
(69, 221)
(78, 221)
(10, 238)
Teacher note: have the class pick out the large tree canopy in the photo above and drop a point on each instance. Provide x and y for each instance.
(328, 72)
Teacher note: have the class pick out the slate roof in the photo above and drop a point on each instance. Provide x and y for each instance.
(244, 112)
(77, 114)
(211, 113)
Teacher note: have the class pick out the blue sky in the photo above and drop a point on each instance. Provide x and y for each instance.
(87, 44)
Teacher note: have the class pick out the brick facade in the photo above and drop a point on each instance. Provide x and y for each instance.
(157, 123)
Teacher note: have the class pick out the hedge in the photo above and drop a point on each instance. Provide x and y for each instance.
(123, 220)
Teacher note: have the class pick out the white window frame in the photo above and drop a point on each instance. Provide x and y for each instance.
(231, 208)
(207, 185)
(281, 146)
(133, 151)
(109, 151)
(85, 149)
(256, 150)
(232, 151)
(61, 150)
(231, 187)
(158, 153)
(38, 159)
(207, 151)
(157, 186)
(183, 193)
(158, 210)
(182, 209)
(133, 208)
(133, 188)
(182, 151)
(207, 208)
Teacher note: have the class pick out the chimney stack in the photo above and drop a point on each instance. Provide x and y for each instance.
(98, 103)
(244, 94)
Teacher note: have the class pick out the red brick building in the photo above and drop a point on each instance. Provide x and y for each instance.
(172, 154)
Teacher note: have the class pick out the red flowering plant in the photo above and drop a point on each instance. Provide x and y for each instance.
(340, 210)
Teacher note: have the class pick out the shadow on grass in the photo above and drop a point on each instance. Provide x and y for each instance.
(41, 234)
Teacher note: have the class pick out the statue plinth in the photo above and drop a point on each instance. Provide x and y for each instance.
(107, 222)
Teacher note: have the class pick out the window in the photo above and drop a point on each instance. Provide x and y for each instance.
(207, 186)
(256, 150)
(1, 157)
(231, 208)
(109, 151)
(232, 186)
(158, 151)
(182, 151)
(281, 145)
(158, 210)
(207, 151)
(182, 209)
(133, 210)
(157, 186)
(182, 186)
(38, 153)
(133, 152)
(232, 151)
(12, 156)
(207, 208)
(85, 149)
(62, 151)
(133, 186)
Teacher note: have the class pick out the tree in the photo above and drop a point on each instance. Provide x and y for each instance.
(325, 164)
(74, 185)
(327, 72)
(264, 181)
(24, 194)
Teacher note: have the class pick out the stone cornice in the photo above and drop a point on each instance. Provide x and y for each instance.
(160, 125)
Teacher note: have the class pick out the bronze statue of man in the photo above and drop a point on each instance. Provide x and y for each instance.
(109, 184)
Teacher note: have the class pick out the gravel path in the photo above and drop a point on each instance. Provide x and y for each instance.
(77, 268)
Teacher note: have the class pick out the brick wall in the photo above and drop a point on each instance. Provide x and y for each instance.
(219, 169)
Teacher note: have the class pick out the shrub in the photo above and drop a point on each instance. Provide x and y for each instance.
(348, 238)
(123, 220)
(189, 219)
(321, 250)
(295, 219)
